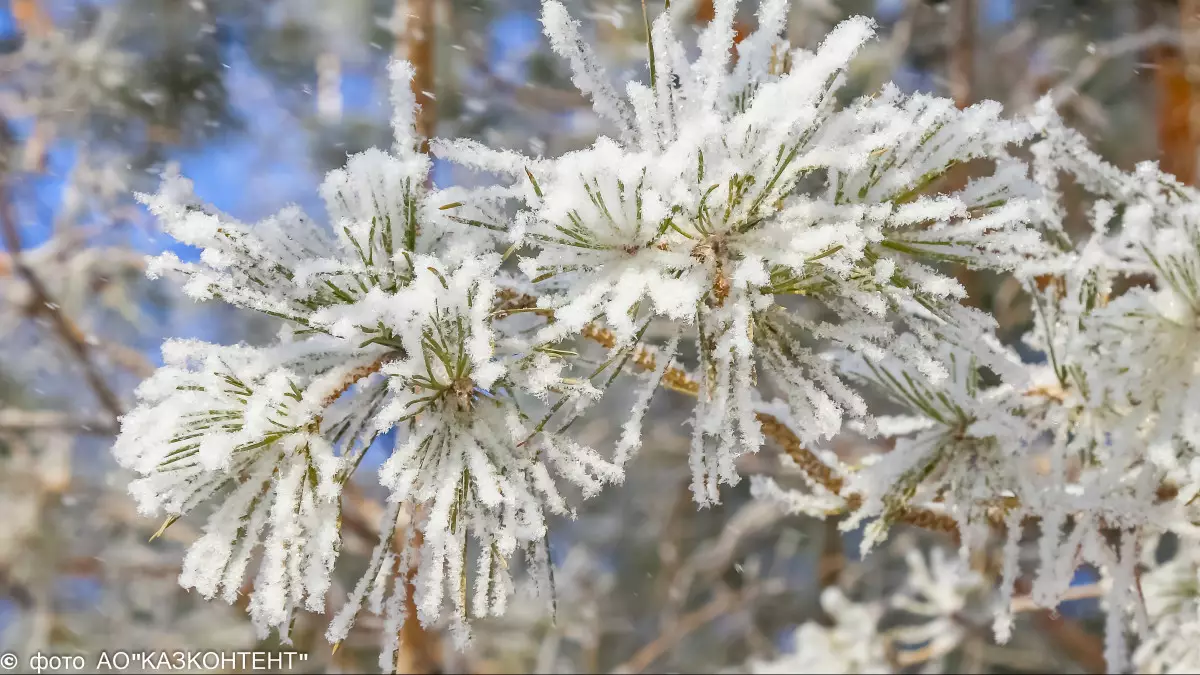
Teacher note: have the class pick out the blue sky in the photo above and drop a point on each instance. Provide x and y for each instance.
(252, 173)
(991, 11)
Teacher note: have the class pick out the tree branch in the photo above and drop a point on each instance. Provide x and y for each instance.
(67, 331)
(14, 419)
(687, 624)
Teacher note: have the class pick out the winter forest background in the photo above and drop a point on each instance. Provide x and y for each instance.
(255, 101)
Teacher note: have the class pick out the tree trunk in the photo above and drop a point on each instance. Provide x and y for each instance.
(960, 77)
(417, 46)
(31, 18)
(413, 20)
(960, 62)
(1178, 83)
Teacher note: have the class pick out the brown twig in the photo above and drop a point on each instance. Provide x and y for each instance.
(360, 515)
(34, 21)
(354, 376)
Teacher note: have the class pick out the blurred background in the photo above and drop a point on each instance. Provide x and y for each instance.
(255, 100)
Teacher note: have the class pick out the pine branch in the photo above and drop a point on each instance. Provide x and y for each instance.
(621, 236)
(808, 462)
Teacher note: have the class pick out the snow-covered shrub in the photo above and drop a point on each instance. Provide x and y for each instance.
(803, 243)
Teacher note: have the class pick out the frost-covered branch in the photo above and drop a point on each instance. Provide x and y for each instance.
(746, 237)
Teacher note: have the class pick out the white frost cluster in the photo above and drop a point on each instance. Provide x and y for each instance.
(392, 321)
(785, 243)
(934, 598)
(1172, 593)
(851, 645)
(241, 423)
(735, 186)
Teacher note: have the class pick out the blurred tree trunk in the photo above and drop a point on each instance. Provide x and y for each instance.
(1174, 122)
(30, 17)
(419, 648)
(1177, 79)
(1176, 85)
(960, 60)
(417, 46)
(706, 10)
(960, 80)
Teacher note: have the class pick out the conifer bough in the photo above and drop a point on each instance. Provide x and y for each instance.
(797, 244)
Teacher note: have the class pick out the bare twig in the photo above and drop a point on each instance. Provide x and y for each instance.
(1101, 54)
(668, 547)
(717, 556)
(687, 624)
(66, 329)
(13, 419)
(33, 20)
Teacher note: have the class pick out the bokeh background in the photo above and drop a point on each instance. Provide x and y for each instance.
(255, 100)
